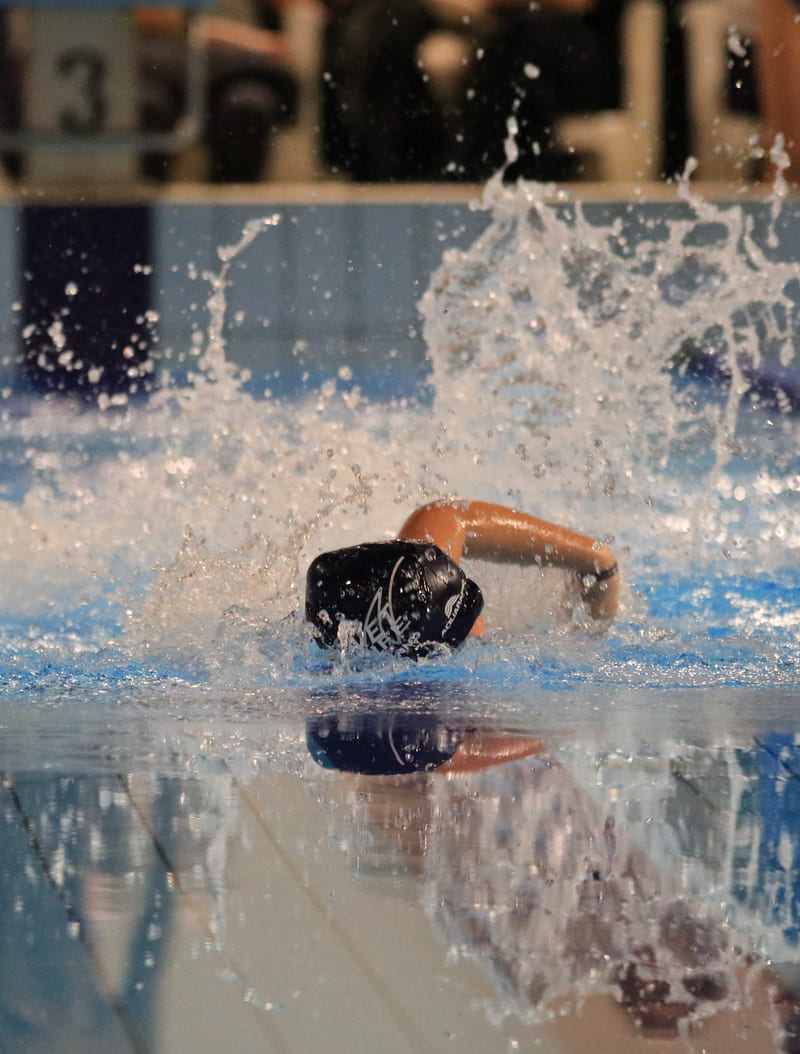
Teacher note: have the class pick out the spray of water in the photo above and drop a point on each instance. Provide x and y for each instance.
(630, 374)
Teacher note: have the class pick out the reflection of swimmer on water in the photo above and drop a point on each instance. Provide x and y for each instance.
(402, 742)
(530, 876)
(410, 595)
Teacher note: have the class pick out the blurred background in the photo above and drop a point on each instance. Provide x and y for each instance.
(253, 91)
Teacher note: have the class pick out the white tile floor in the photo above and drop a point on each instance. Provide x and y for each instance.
(292, 911)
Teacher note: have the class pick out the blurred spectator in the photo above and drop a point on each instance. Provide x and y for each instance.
(541, 61)
(676, 120)
(392, 111)
(380, 118)
(269, 14)
(251, 90)
(9, 89)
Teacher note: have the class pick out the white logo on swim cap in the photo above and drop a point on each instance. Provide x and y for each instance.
(381, 627)
(453, 606)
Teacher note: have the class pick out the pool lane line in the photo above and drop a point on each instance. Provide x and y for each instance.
(162, 854)
(265, 1023)
(678, 769)
(401, 1017)
(119, 1008)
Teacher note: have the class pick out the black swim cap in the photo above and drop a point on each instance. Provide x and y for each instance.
(384, 744)
(407, 597)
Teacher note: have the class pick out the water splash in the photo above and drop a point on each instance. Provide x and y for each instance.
(640, 370)
(632, 374)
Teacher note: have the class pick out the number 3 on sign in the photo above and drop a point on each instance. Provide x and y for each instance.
(81, 87)
(82, 71)
(82, 74)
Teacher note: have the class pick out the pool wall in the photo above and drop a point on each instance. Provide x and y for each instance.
(333, 283)
(330, 284)
(8, 294)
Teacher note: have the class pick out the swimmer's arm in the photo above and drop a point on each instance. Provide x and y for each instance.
(494, 532)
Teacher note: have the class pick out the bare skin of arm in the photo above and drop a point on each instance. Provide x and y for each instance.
(493, 532)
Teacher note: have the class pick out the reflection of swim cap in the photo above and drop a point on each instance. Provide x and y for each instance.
(383, 744)
(406, 596)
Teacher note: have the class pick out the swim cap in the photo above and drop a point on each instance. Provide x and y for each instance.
(406, 597)
(384, 744)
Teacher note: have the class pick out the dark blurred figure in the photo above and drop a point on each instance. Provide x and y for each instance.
(383, 118)
(540, 62)
(676, 118)
(251, 90)
(380, 120)
(9, 91)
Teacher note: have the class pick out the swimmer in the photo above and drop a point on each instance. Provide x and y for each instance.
(410, 595)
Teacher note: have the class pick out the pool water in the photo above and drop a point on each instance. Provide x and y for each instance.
(612, 848)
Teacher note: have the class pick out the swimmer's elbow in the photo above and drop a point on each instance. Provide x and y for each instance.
(437, 522)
